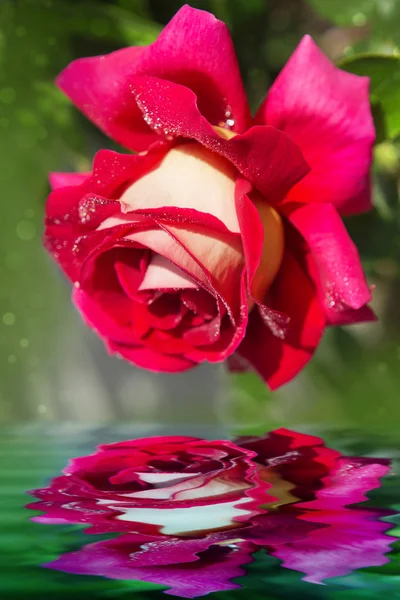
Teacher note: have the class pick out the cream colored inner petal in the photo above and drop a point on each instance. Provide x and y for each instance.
(175, 521)
(163, 274)
(272, 251)
(189, 490)
(155, 478)
(215, 487)
(189, 176)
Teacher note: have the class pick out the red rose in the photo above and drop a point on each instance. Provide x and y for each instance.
(192, 512)
(223, 233)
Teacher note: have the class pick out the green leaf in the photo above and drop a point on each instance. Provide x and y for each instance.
(384, 72)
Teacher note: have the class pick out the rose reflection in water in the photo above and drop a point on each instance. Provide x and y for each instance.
(191, 512)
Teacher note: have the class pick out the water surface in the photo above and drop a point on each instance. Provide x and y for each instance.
(30, 456)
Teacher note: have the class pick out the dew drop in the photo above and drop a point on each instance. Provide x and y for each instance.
(229, 121)
(276, 322)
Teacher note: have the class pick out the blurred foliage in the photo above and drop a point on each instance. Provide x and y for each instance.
(355, 377)
(384, 73)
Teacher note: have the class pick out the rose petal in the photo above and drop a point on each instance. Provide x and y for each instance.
(298, 458)
(342, 280)
(190, 568)
(101, 321)
(263, 240)
(263, 155)
(189, 176)
(195, 50)
(151, 360)
(351, 538)
(278, 358)
(58, 180)
(163, 274)
(327, 112)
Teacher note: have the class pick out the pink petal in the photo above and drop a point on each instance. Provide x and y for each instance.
(58, 180)
(189, 568)
(335, 552)
(327, 113)
(351, 538)
(348, 483)
(264, 155)
(194, 49)
(279, 358)
(341, 277)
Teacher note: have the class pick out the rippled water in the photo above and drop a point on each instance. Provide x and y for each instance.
(31, 456)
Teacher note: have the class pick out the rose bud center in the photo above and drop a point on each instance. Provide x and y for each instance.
(193, 177)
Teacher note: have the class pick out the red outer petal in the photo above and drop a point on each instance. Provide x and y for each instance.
(348, 316)
(342, 281)
(327, 113)
(278, 358)
(264, 155)
(230, 338)
(96, 318)
(151, 360)
(73, 213)
(194, 49)
(251, 229)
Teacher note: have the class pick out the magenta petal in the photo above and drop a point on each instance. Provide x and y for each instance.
(348, 483)
(337, 551)
(350, 538)
(192, 575)
(327, 113)
(58, 180)
(341, 277)
(194, 49)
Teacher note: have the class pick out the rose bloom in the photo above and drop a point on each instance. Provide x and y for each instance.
(222, 236)
(192, 512)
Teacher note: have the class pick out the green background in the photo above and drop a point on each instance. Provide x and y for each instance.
(51, 367)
